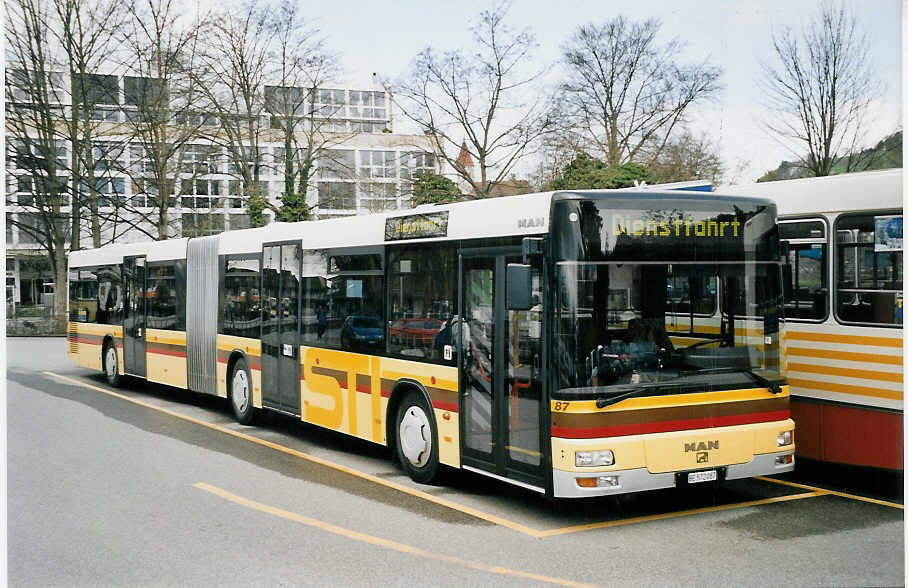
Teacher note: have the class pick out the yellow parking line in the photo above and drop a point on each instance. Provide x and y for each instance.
(514, 526)
(311, 458)
(381, 542)
(833, 492)
(683, 513)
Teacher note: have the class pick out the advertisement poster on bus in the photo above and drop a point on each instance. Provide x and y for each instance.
(887, 233)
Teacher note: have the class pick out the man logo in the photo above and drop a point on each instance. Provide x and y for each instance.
(530, 223)
(703, 457)
(701, 446)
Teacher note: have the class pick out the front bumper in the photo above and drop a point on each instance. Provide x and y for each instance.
(638, 480)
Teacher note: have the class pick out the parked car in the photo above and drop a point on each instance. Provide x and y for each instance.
(419, 332)
(362, 330)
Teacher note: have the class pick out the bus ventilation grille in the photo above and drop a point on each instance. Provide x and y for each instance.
(72, 339)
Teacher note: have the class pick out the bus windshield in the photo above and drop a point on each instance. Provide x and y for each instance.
(665, 298)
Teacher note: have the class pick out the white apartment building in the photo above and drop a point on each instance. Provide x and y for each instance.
(362, 167)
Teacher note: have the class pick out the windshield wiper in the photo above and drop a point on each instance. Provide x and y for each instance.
(644, 389)
(774, 387)
(602, 402)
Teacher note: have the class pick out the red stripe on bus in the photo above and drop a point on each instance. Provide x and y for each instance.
(668, 426)
(448, 406)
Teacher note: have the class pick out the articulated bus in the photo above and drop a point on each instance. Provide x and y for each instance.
(844, 341)
(576, 344)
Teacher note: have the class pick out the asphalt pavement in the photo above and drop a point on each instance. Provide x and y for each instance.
(149, 485)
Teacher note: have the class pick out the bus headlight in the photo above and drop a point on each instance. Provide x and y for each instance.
(587, 459)
(784, 438)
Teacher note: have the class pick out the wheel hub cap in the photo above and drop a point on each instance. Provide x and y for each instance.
(111, 362)
(240, 391)
(415, 436)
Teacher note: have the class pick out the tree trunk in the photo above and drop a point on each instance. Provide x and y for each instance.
(60, 291)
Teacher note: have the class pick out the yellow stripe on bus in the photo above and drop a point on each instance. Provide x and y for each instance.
(167, 337)
(845, 355)
(849, 339)
(846, 372)
(583, 406)
(846, 388)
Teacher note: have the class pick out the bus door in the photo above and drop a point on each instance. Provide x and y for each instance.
(281, 271)
(500, 379)
(134, 316)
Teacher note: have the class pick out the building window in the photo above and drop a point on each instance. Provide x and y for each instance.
(200, 159)
(379, 197)
(364, 104)
(869, 268)
(106, 155)
(414, 164)
(337, 164)
(329, 103)
(377, 164)
(144, 92)
(337, 195)
(202, 224)
(94, 89)
(111, 191)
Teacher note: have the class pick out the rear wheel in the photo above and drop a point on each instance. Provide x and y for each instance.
(241, 392)
(111, 364)
(417, 439)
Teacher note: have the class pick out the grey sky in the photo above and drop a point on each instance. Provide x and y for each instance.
(383, 37)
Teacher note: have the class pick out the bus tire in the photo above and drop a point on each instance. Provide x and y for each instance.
(110, 364)
(417, 439)
(240, 392)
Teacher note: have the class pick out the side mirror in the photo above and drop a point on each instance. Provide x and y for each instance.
(784, 249)
(519, 286)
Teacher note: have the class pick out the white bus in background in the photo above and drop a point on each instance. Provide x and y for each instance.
(843, 307)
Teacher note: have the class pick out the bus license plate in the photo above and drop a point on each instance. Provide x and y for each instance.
(709, 476)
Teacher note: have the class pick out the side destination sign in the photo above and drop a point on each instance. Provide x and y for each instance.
(417, 226)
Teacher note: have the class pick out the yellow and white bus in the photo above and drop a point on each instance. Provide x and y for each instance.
(843, 309)
(576, 343)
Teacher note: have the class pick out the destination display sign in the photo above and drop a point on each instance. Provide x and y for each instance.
(637, 226)
(682, 231)
(417, 226)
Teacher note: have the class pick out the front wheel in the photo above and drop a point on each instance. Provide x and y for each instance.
(417, 439)
(111, 365)
(241, 393)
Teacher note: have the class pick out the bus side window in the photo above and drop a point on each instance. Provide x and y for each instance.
(869, 270)
(422, 300)
(805, 270)
(240, 312)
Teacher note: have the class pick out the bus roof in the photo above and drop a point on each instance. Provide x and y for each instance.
(525, 214)
(873, 190)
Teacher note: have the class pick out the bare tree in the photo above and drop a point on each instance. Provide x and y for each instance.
(236, 62)
(162, 118)
(38, 100)
(819, 90)
(479, 100)
(687, 157)
(625, 93)
(304, 122)
(86, 31)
